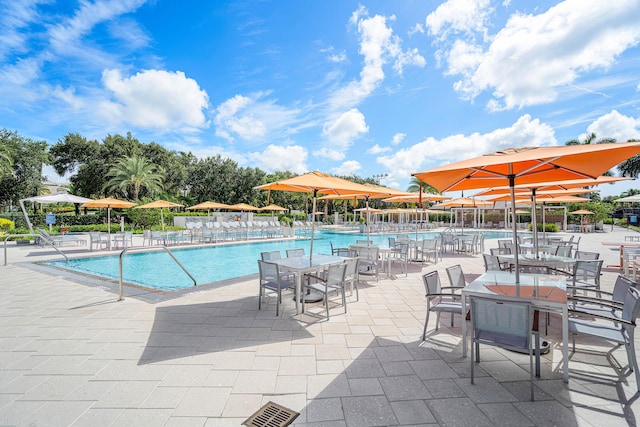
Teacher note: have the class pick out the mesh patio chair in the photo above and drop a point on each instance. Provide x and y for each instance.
(505, 324)
(491, 263)
(401, 255)
(332, 281)
(427, 249)
(586, 274)
(351, 275)
(439, 301)
(619, 330)
(586, 255)
(608, 303)
(272, 279)
(369, 262)
(295, 252)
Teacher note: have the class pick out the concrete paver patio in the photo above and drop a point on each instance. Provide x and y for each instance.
(70, 354)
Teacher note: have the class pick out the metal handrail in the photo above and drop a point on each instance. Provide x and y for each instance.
(146, 249)
(47, 241)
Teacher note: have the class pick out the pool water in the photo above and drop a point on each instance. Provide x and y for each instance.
(209, 264)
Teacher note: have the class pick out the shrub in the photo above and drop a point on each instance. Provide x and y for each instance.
(549, 228)
(6, 225)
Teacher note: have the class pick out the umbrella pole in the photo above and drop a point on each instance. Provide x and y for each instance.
(109, 224)
(544, 228)
(512, 180)
(534, 222)
(366, 200)
(313, 226)
(162, 218)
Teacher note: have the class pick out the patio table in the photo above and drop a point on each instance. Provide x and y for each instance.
(299, 265)
(545, 292)
(621, 245)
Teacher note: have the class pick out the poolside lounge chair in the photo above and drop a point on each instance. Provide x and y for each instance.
(61, 240)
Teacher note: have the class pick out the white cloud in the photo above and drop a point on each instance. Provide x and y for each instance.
(378, 46)
(376, 149)
(281, 158)
(329, 153)
(459, 16)
(432, 152)
(338, 57)
(615, 125)
(154, 99)
(348, 168)
(418, 28)
(349, 126)
(551, 50)
(398, 138)
(252, 117)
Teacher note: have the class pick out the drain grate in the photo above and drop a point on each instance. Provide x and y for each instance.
(271, 415)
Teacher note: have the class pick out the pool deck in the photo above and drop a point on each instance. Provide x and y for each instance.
(71, 354)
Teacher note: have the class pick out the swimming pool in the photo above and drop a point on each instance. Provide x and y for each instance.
(210, 264)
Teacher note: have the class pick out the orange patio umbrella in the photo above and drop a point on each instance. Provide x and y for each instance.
(416, 198)
(108, 203)
(273, 207)
(208, 205)
(528, 165)
(318, 182)
(554, 185)
(242, 207)
(159, 204)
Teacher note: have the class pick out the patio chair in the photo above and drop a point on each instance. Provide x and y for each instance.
(427, 249)
(609, 303)
(369, 261)
(98, 240)
(332, 281)
(456, 276)
(271, 279)
(491, 263)
(619, 330)
(123, 239)
(146, 237)
(564, 250)
(401, 255)
(295, 252)
(268, 256)
(439, 301)
(351, 275)
(505, 324)
(586, 274)
(586, 255)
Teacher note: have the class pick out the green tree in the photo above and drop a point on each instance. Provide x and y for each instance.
(6, 160)
(28, 158)
(133, 175)
(414, 187)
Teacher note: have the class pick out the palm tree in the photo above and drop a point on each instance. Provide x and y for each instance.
(415, 184)
(6, 162)
(133, 174)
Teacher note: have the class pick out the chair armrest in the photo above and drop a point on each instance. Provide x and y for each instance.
(595, 301)
(589, 290)
(601, 316)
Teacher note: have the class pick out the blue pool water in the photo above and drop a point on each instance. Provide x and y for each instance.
(209, 264)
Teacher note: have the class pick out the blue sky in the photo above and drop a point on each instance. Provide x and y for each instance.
(367, 88)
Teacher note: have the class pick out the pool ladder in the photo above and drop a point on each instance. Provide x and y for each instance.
(148, 249)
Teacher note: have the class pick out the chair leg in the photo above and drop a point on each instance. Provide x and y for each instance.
(426, 322)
